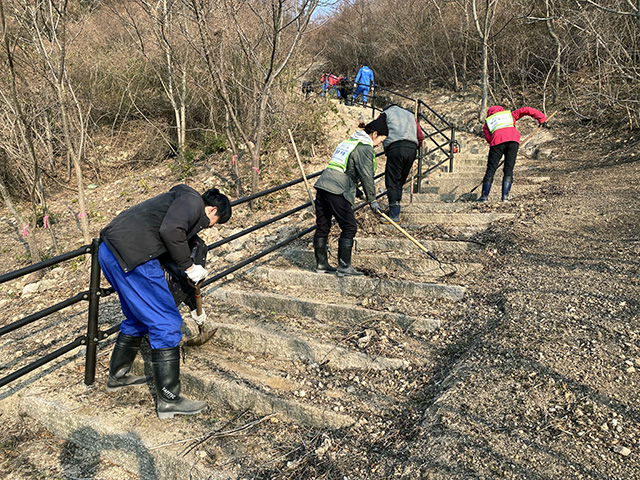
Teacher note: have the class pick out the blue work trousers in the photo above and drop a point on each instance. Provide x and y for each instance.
(361, 89)
(145, 299)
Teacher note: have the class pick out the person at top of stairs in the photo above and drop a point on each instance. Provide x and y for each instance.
(362, 84)
(504, 140)
(353, 161)
(401, 147)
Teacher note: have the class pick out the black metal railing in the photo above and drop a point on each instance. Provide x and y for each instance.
(439, 135)
(89, 339)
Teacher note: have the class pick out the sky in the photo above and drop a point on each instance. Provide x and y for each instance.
(325, 7)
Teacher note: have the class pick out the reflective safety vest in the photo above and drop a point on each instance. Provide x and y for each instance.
(341, 155)
(500, 120)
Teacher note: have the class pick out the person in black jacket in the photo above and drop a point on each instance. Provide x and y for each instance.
(134, 246)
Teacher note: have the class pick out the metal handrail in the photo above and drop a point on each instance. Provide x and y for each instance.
(45, 264)
(43, 313)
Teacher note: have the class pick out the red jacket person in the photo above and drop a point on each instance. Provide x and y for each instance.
(504, 139)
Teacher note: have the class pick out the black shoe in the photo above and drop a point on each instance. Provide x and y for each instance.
(124, 352)
(320, 251)
(345, 246)
(166, 370)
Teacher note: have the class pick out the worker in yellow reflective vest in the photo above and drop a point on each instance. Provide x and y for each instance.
(353, 161)
(504, 139)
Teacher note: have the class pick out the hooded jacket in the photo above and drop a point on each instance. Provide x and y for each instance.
(509, 134)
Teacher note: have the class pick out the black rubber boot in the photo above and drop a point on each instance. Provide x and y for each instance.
(345, 246)
(124, 352)
(486, 189)
(394, 212)
(166, 370)
(506, 188)
(320, 251)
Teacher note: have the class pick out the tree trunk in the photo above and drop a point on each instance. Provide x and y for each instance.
(28, 230)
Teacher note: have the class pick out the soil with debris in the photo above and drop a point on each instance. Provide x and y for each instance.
(533, 375)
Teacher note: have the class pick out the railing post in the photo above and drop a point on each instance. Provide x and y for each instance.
(451, 148)
(372, 89)
(418, 186)
(92, 324)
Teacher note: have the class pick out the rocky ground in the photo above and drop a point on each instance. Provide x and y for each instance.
(533, 375)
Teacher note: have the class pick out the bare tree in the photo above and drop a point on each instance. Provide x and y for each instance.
(265, 36)
(626, 8)
(46, 25)
(550, 24)
(166, 20)
(483, 20)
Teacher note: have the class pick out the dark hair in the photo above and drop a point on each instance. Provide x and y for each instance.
(214, 198)
(378, 125)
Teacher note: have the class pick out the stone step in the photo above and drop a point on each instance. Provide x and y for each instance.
(465, 168)
(478, 168)
(298, 391)
(469, 159)
(401, 244)
(429, 207)
(431, 194)
(413, 261)
(456, 181)
(235, 386)
(359, 286)
(433, 197)
(265, 341)
(319, 310)
(465, 219)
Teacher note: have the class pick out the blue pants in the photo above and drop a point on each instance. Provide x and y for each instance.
(145, 299)
(361, 89)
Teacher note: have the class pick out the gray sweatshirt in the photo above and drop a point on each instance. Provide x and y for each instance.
(401, 124)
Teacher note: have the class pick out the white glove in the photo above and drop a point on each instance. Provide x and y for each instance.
(199, 319)
(196, 273)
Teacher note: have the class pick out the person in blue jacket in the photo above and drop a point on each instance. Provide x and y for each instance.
(362, 83)
(133, 249)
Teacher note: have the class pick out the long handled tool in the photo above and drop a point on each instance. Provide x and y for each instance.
(203, 335)
(521, 144)
(306, 182)
(422, 247)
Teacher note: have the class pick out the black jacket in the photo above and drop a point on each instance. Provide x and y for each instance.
(162, 224)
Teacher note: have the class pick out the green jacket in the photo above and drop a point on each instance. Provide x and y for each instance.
(361, 166)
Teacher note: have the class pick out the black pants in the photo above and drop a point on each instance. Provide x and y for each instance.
(400, 158)
(509, 150)
(330, 205)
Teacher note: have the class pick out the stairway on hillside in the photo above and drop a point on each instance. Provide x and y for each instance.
(299, 355)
